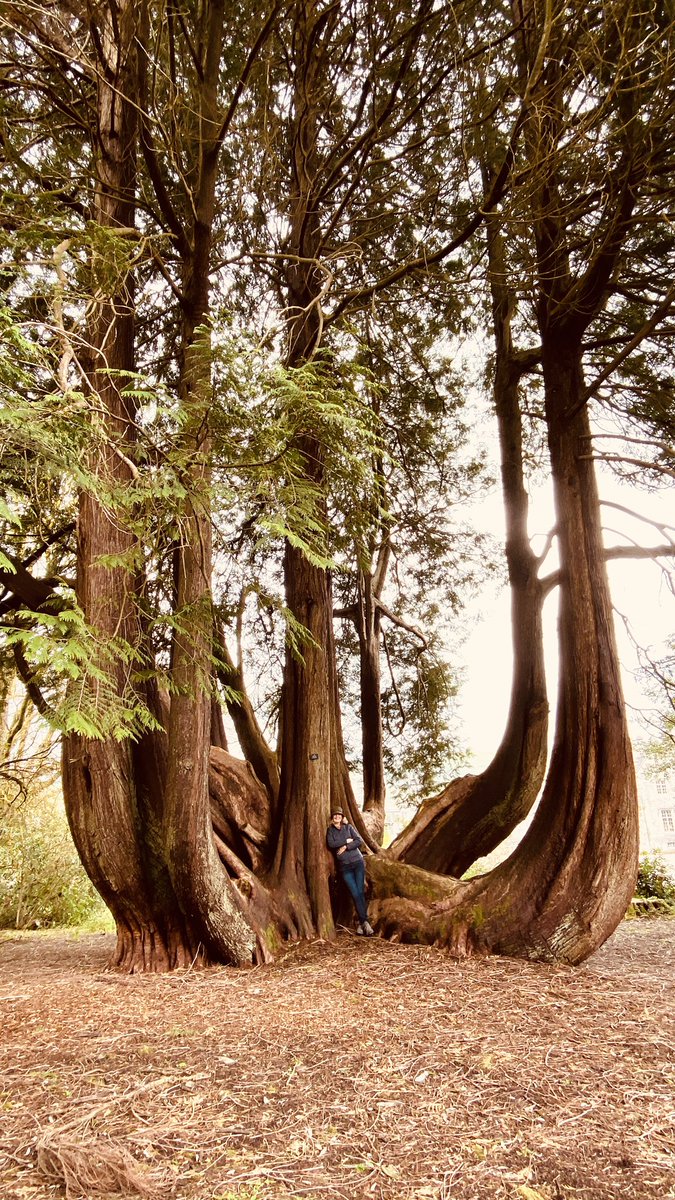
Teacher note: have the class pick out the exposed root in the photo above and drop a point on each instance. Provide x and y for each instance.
(91, 1167)
(413, 923)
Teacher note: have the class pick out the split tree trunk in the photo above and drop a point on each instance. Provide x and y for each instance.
(368, 622)
(140, 813)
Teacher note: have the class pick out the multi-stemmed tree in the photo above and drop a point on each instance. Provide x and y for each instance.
(338, 158)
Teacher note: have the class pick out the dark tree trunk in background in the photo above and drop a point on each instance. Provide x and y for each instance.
(368, 628)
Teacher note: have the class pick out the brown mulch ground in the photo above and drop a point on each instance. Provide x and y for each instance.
(357, 1069)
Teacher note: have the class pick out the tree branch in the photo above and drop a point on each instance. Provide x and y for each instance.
(612, 553)
(26, 676)
(633, 462)
(398, 621)
(248, 67)
(627, 350)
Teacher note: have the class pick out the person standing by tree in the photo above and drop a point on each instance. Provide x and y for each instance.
(345, 843)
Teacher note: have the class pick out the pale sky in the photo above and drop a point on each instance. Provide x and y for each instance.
(639, 591)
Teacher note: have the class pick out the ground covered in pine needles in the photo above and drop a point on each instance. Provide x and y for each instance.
(357, 1070)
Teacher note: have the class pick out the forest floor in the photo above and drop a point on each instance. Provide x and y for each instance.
(353, 1070)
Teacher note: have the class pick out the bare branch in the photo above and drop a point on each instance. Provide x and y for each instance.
(401, 624)
(649, 326)
(633, 462)
(663, 528)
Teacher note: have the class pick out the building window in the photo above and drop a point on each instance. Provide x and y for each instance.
(668, 820)
(661, 786)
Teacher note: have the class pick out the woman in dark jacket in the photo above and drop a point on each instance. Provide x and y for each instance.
(345, 843)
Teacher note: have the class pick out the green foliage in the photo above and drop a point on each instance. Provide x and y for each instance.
(654, 880)
(42, 882)
(287, 441)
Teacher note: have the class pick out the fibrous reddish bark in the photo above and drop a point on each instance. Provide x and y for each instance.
(568, 884)
(108, 815)
(140, 814)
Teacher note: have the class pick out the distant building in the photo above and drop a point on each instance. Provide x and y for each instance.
(656, 798)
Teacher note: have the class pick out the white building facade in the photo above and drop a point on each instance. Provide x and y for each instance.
(656, 797)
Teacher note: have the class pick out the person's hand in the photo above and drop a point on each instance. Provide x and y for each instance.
(342, 849)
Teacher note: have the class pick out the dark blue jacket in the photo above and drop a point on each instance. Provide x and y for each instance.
(338, 837)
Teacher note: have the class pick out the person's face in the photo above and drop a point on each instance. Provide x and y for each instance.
(337, 820)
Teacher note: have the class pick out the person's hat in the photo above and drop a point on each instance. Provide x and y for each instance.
(335, 812)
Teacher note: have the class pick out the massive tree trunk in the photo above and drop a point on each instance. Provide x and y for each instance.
(312, 763)
(204, 889)
(566, 887)
(141, 812)
(568, 884)
(304, 792)
(109, 816)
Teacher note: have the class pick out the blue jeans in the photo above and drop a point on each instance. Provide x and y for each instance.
(355, 878)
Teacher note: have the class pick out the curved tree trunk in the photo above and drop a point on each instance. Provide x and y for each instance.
(474, 813)
(567, 886)
(249, 734)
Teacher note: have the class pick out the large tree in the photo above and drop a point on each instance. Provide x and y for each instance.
(569, 881)
(321, 166)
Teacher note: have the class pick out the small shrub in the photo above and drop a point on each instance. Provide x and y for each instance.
(42, 882)
(654, 880)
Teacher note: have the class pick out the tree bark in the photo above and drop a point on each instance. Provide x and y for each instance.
(368, 620)
(312, 766)
(568, 884)
(108, 817)
(566, 887)
(305, 784)
(140, 813)
(204, 889)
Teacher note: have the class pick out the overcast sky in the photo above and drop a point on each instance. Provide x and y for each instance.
(638, 589)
